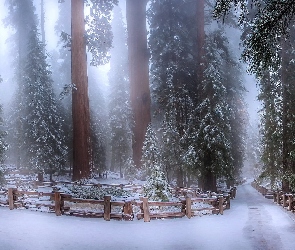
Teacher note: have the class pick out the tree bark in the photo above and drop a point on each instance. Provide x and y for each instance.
(210, 181)
(80, 101)
(138, 73)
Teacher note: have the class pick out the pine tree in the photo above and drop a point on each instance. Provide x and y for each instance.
(42, 129)
(3, 144)
(214, 128)
(35, 121)
(171, 150)
(173, 68)
(157, 187)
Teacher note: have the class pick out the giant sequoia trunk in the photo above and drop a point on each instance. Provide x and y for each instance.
(80, 102)
(209, 182)
(138, 73)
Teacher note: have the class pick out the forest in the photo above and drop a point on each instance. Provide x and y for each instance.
(170, 104)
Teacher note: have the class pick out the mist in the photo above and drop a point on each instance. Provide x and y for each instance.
(103, 93)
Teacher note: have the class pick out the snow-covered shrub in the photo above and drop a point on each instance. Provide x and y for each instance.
(157, 187)
(97, 193)
(130, 171)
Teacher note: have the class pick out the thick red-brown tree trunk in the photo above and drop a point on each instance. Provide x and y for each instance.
(138, 73)
(80, 101)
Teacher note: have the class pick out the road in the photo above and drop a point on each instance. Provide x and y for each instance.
(252, 223)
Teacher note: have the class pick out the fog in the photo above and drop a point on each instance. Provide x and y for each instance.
(99, 86)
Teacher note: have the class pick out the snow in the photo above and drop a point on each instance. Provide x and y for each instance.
(253, 222)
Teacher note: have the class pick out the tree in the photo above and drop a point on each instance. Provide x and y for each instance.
(42, 123)
(138, 73)
(266, 50)
(120, 114)
(213, 133)
(35, 122)
(3, 133)
(80, 102)
(171, 150)
(157, 187)
(3, 144)
(173, 66)
(21, 18)
(268, 28)
(99, 40)
(271, 128)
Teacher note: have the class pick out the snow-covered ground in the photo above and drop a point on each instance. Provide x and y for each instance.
(253, 222)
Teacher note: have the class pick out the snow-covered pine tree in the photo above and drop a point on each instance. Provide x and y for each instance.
(120, 113)
(35, 122)
(21, 19)
(130, 170)
(214, 128)
(3, 146)
(42, 123)
(177, 147)
(156, 187)
(171, 150)
(3, 133)
(173, 64)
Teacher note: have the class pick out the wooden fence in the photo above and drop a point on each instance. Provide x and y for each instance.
(60, 203)
(286, 200)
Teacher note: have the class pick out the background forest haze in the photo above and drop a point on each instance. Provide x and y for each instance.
(142, 88)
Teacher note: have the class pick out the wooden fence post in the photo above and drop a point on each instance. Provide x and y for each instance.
(235, 192)
(274, 197)
(284, 200)
(127, 211)
(107, 208)
(188, 207)
(290, 196)
(278, 197)
(11, 197)
(57, 201)
(220, 205)
(146, 211)
(227, 201)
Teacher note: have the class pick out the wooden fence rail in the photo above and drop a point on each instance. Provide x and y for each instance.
(60, 204)
(286, 200)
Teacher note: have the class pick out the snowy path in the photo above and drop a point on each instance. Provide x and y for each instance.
(253, 222)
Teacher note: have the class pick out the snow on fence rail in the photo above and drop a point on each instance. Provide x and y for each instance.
(63, 204)
(286, 200)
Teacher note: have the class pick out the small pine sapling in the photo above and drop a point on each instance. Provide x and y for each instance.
(156, 187)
